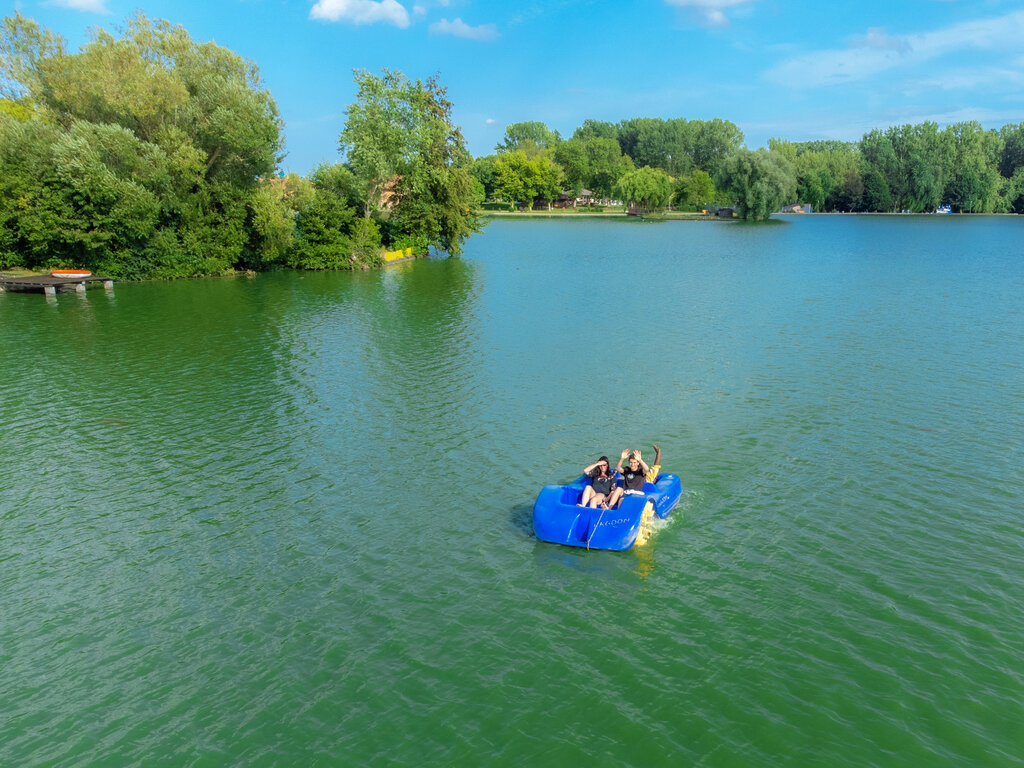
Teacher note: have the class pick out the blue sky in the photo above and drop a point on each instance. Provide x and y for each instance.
(797, 70)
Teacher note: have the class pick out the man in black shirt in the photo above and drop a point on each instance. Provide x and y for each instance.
(635, 474)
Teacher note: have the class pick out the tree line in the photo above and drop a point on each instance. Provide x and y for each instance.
(652, 163)
(149, 155)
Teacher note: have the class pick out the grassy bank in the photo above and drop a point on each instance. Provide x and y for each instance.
(570, 213)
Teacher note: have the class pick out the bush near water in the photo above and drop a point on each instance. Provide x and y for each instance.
(151, 155)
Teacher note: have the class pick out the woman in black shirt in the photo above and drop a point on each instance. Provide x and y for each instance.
(602, 481)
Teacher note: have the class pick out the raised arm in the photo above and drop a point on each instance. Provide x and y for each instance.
(643, 464)
(622, 458)
(657, 455)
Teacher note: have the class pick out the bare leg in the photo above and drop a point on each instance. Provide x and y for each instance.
(598, 501)
(588, 493)
(615, 498)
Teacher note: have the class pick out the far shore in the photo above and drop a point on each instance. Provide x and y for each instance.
(569, 213)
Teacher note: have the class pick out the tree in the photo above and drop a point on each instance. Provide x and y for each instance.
(695, 191)
(877, 196)
(143, 150)
(572, 156)
(974, 184)
(434, 196)
(324, 220)
(521, 179)
(1012, 156)
(711, 142)
(1014, 191)
(648, 189)
(482, 170)
(379, 135)
(531, 137)
(761, 182)
(273, 210)
(399, 138)
(657, 143)
(23, 43)
(605, 165)
(596, 129)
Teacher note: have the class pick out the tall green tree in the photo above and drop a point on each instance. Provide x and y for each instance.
(648, 190)
(521, 179)
(1012, 156)
(531, 137)
(596, 129)
(974, 183)
(482, 169)
(410, 159)
(877, 196)
(435, 198)
(592, 163)
(695, 191)
(760, 182)
(380, 134)
(153, 143)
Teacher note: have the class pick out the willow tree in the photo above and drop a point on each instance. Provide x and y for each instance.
(648, 189)
(759, 182)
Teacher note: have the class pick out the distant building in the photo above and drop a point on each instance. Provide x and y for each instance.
(797, 208)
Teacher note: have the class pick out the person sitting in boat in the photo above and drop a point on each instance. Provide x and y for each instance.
(635, 474)
(602, 482)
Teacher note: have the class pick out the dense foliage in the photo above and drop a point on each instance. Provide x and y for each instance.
(533, 165)
(915, 168)
(137, 156)
(151, 155)
(410, 162)
(760, 182)
(645, 189)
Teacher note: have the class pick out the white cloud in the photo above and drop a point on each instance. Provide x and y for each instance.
(877, 51)
(710, 12)
(878, 39)
(968, 80)
(361, 11)
(490, 121)
(93, 6)
(459, 28)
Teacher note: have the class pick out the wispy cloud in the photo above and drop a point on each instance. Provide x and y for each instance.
(877, 51)
(92, 6)
(360, 11)
(711, 13)
(968, 80)
(459, 28)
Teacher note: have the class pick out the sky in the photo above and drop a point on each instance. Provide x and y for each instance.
(794, 70)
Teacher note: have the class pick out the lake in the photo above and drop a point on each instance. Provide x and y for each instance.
(287, 520)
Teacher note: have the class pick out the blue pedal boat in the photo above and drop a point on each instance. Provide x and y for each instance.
(558, 518)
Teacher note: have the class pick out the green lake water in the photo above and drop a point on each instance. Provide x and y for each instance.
(286, 521)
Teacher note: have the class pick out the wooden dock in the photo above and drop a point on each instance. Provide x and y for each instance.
(49, 284)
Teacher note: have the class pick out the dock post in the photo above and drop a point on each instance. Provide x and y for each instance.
(80, 287)
(108, 284)
(50, 290)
